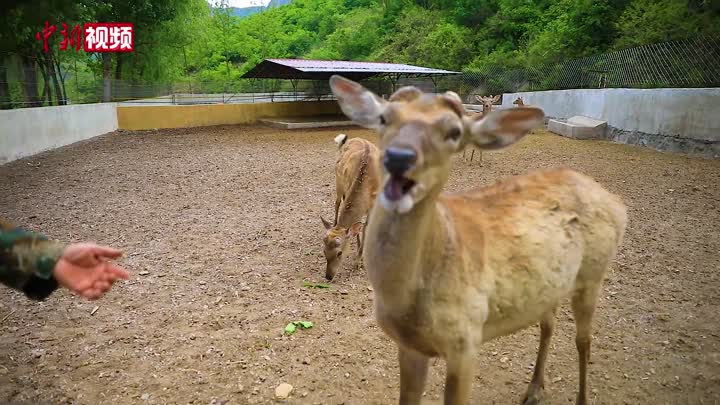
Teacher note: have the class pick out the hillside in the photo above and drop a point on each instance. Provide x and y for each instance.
(245, 11)
(242, 12)
(188, 41)
(462, 34)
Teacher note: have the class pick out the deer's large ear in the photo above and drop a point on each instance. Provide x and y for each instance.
(357, 102)
(454, 101)
(496, 99)
(502, 128)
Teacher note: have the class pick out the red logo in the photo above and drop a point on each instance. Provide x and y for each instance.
(94, 37)
(72, 39)
(49, 29)
(109, 37)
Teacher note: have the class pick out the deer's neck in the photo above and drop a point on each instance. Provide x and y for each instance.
(398, 246)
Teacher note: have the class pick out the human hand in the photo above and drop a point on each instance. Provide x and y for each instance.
(85, 270)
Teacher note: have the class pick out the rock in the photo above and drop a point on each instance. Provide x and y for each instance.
(283, 391)
(37, 353)
(556, 379)
(145, 396)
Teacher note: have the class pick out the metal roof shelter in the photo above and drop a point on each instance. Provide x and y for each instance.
(305, 69)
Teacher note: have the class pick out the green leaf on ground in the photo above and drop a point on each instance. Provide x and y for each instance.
(292, 326)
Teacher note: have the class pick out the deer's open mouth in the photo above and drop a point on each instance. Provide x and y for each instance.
(397, 187)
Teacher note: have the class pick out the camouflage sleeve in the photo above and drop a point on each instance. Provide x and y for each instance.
(27, 261)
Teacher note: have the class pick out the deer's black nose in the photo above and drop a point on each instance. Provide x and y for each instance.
(399, 160)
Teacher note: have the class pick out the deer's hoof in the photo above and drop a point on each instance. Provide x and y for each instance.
(533, 396)
(532, 401)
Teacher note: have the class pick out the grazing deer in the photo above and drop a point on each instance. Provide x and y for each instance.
(357, 180)
(453, 270)
(487, 103)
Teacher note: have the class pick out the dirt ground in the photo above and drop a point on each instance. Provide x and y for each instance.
(221, 227)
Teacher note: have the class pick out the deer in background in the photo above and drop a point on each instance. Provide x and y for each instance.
(487, 103)
(519, 102)
(453, 270)
(356, 184)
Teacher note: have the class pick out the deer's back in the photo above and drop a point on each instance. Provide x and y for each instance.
(357, 178)
(531, 238)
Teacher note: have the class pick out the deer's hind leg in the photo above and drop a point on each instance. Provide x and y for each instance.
(537, 384)
(584, 302)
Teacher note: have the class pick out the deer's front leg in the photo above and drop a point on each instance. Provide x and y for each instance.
(413, 373)
(338, 200)
(458, 382)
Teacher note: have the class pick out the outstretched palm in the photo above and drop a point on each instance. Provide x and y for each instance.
(85, 270)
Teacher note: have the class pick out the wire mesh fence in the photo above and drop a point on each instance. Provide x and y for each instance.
(692, 62)
(688, 63)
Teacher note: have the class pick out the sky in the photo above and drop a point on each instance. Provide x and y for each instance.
(248, 3)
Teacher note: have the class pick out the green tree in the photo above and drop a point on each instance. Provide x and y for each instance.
(648, 21)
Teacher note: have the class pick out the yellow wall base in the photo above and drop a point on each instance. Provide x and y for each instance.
(183, 116)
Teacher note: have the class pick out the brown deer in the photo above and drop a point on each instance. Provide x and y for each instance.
(487, 103)
(453, 270)
(357, 180)
(519, 102)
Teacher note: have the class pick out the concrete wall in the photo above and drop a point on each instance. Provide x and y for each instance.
(183, 116)
(681, 120)
(27, 131)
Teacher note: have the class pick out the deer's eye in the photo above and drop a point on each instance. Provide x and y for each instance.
(382, 120)
(453, 134)
(339, 254)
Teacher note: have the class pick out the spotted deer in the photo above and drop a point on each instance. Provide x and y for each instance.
(357, 181)
(453, 270)
(487, 103)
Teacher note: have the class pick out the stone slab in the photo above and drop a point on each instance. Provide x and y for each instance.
(292, 123)
(586, 121)
(579, 127)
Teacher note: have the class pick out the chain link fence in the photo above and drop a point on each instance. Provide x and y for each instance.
(687, 63)
(675, 64)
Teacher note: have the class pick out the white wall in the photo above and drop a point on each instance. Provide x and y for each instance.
(678, 113)
(27, 131)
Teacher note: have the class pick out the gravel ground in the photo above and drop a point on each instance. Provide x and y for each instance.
(221, 227)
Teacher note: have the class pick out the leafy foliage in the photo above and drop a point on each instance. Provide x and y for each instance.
(207, 45)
